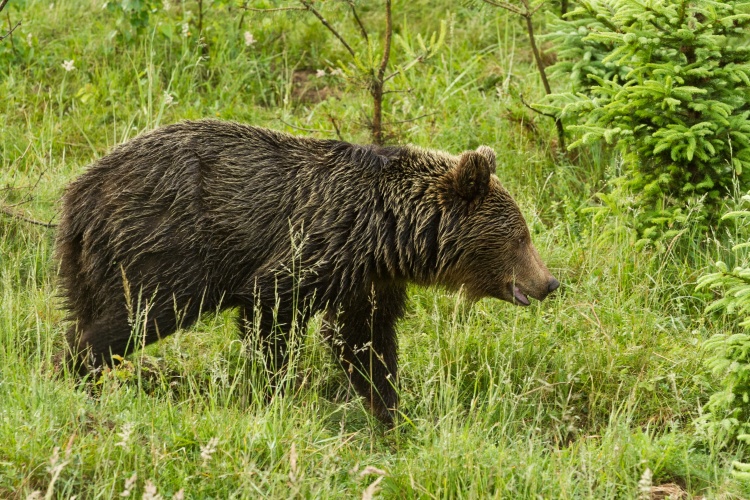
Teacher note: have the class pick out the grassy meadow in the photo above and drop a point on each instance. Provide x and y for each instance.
(593, 393)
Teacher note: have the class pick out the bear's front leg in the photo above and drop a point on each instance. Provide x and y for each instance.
(362, 334)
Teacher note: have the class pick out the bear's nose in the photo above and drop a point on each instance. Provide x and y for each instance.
(552, 285)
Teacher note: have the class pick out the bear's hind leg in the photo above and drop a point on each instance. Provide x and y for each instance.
(93, 344)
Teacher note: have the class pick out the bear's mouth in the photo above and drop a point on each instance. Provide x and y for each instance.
(519, 297)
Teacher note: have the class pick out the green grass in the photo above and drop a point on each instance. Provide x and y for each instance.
(575, 397)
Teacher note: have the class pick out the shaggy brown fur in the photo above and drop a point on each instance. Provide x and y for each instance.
(208, 215)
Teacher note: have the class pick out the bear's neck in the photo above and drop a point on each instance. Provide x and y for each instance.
(407, 224)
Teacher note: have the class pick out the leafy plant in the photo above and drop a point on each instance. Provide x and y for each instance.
(668, 82)
(728, 410)
(132, 16)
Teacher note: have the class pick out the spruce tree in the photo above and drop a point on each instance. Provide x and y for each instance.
(668, 82)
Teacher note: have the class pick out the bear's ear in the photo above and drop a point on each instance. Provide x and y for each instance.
(471, 177)
(488, 153)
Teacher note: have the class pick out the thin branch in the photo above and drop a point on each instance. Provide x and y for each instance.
(532, 108)
(279, 9)
(543, 74)
(537, 56)
(398, 91)
(245, 9)
(378, 79)
(15, 215)
(242, 17)
(506, 6)
(387, 45)
(359, 22)
(322, 19)
(413, 119)
(407, 67)
(311, 130)
(2, 4)
(202, 41)
(23, 155)
(38, 179)
(200, 18)
(26, 200)
(10, 33)
(335, 126)
(558, 122)
(527, 13)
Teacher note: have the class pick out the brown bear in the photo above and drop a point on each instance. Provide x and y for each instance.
(207, 215)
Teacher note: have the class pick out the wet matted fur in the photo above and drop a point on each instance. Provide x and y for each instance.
(205, 215)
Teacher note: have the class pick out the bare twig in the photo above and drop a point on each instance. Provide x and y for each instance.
(537, 55)
(311, 130)
(335, 126)
(15, 215)
(376, 87)
(201, 38)
(200, 18)
(242, 16)
(407, 67)
(532, 108)
(278, 9)
(39, 179)
(543, 74)
(387, 46)
(10, 33)
(27, 199)
(506, 6)
(377, 76)
(3, 3)
(25, 151)
(527, 13)
(8, 209)
(398, 91)
(413, 119)
(359, 22)
(322, 19)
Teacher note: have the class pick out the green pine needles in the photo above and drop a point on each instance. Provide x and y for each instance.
(728, 410)
(669, 82)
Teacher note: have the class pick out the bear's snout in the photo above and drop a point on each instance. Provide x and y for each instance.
(520, 293)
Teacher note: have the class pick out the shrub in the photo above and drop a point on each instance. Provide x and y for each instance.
(133, 16)
(668, 81)
(728, 410)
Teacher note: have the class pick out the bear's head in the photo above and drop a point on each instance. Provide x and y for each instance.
(485, 239)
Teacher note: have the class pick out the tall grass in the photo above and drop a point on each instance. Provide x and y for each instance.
(591, 394)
